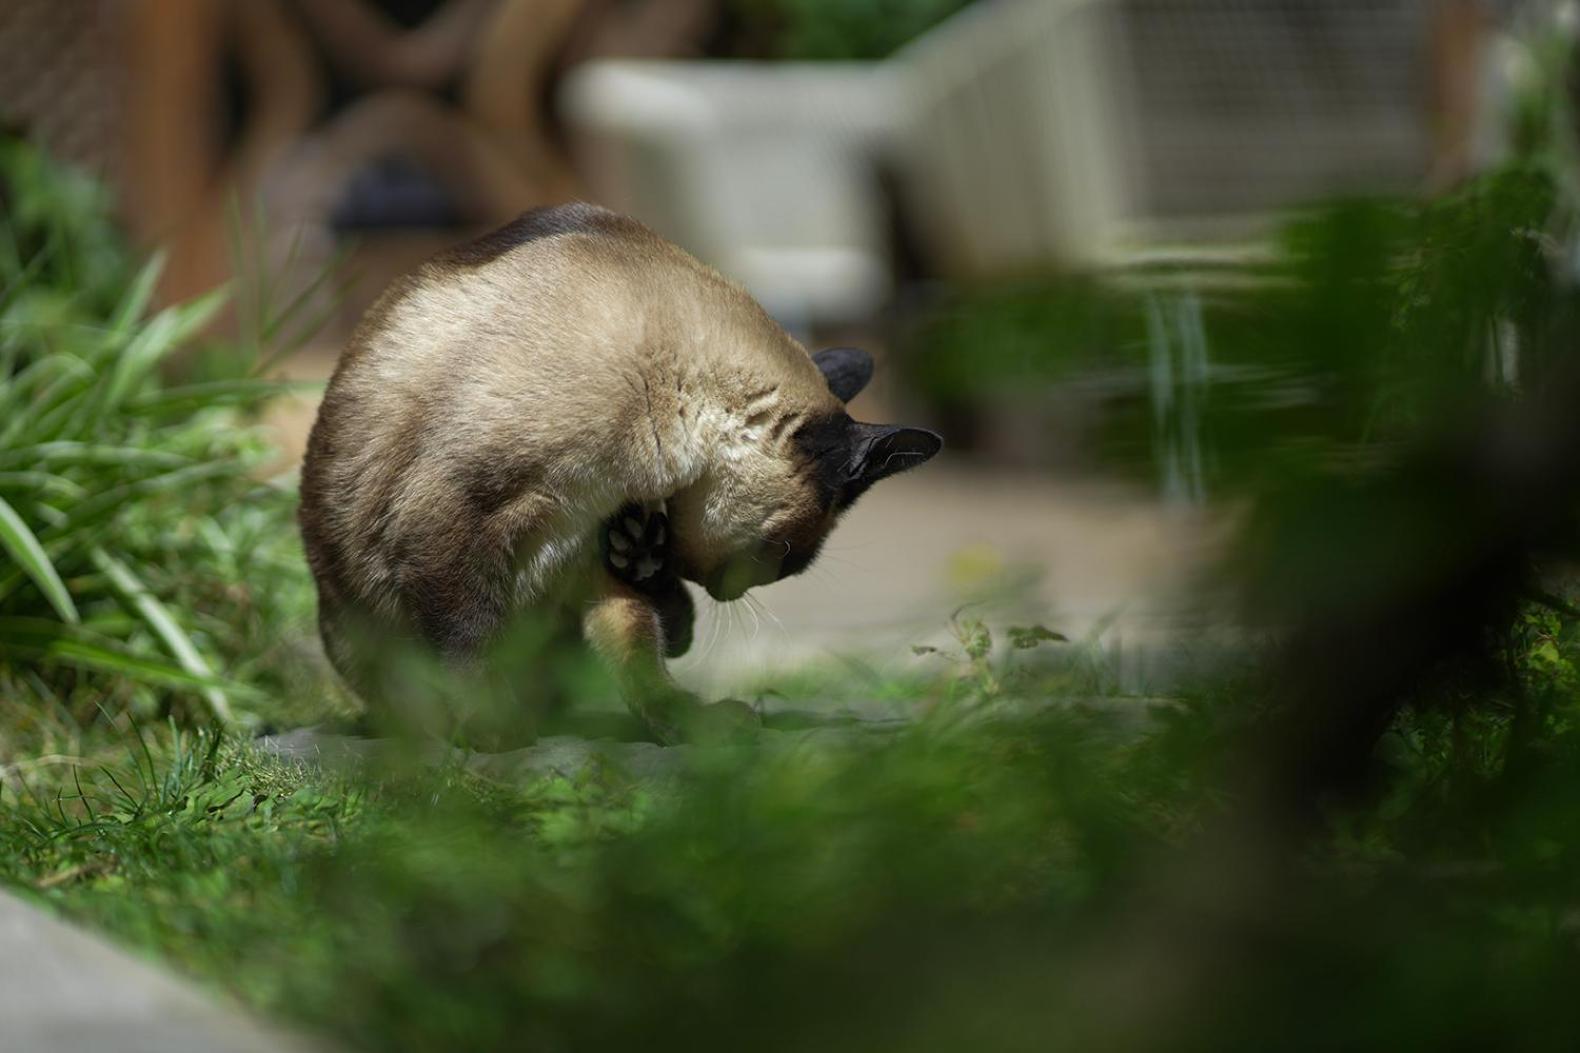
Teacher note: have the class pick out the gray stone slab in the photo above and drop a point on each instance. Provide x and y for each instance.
(63, 990)
(850, 726)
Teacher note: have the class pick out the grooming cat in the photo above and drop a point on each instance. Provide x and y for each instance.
(564, 419)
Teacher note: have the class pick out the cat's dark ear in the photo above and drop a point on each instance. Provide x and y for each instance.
(847, 370)
(881, 450)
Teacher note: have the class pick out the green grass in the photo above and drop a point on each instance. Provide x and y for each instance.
(425, 909)
(946, 886)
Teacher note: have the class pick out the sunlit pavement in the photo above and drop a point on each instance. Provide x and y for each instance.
(1095, 562)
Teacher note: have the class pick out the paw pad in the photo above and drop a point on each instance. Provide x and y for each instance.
(636, 544)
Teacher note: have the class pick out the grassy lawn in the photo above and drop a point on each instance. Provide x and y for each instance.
(958, 883)
(423, 908)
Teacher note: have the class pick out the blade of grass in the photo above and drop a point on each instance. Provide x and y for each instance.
(191, 397)
(168, 330)
(293, 325)
(138, 296)
(70, 453)
(137, 596)
(40, 482)
(25, 550)
(53, 413)
(39, 639)
(21, 407)
(248, 294)
(19, 277)
(103, 505)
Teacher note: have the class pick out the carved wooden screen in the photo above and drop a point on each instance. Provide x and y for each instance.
(398, 125)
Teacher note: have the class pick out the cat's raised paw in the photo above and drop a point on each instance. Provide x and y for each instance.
(636, 545)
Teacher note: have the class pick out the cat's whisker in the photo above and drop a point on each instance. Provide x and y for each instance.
(726, 620)
(739, 621)
(747, 634)
(716, 624)
(699, 642)
(766, 612)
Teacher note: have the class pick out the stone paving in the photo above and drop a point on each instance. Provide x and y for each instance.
(618, 743)
(63, 990)
(1084, 558)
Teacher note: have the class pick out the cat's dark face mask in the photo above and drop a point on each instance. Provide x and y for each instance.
(837, 460)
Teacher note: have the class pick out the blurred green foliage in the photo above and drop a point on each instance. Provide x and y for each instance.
(839, 30)
(956, 884)
(61, 249)
(1368, 321)
(143, 561)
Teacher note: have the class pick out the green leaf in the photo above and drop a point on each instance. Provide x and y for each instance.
(146, 605)
(138, 295)
(42, 640)
(976, 639)
(1025, 638)
(165, 332)
(192, 397)
(24, 548)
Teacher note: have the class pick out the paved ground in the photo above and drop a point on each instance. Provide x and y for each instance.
(65, 991)
(1027, 548)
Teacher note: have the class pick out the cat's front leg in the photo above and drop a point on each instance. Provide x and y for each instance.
(624, 628)
(644, 614)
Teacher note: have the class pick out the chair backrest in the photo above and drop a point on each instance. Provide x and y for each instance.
(1071, 131)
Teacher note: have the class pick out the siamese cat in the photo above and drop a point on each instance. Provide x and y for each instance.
(566, 419)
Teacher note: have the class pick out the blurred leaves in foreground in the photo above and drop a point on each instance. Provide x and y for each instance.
(1367, 322)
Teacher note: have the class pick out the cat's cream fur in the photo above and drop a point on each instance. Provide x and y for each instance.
(498, 405)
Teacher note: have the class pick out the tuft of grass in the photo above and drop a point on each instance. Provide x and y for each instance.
(143, 562)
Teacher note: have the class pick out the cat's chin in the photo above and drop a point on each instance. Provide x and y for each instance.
(726, 594)
(727, 583)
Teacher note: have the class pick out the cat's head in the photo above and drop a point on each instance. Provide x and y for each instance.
(765, 512)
